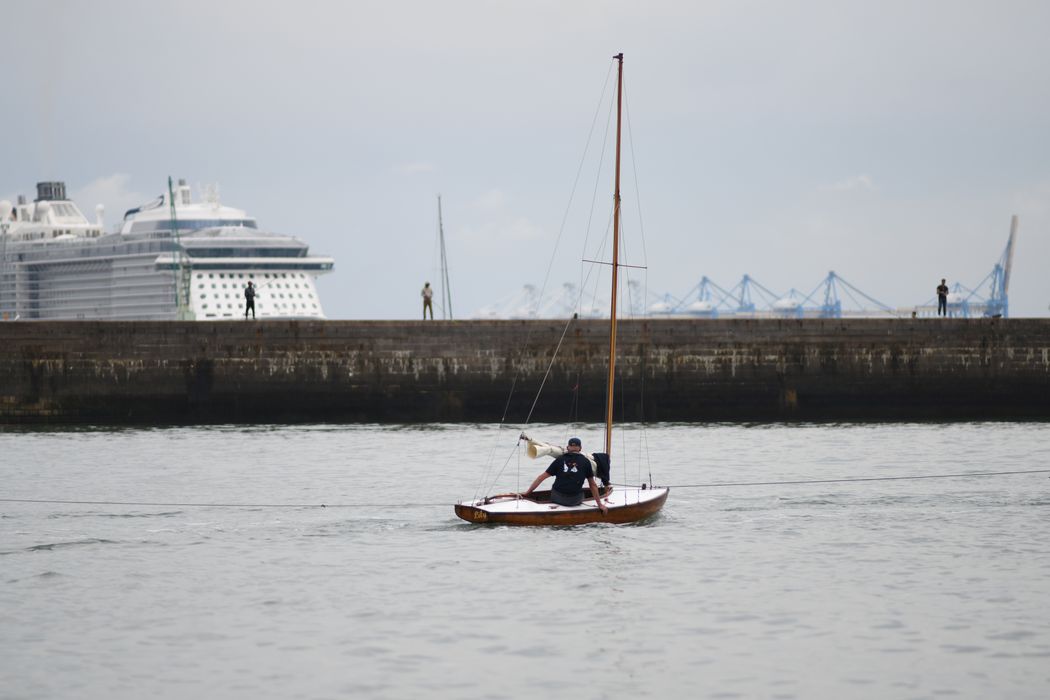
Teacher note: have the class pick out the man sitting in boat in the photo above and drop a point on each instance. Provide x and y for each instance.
(570, 471)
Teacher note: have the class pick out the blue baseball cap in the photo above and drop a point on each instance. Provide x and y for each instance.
(575, 441)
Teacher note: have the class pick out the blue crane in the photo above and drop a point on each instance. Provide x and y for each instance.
(990, 298)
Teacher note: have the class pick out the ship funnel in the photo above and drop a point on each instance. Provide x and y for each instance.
(100, 215)
(184, 192)
(50, 191)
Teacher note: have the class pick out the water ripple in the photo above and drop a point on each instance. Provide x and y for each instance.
(50, 546)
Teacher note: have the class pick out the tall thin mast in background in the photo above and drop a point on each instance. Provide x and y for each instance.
(183, 276)
(609, 402)
(446, 290)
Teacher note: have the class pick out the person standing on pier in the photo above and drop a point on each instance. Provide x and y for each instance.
(428, 300)
(249, 300)
(942, 299)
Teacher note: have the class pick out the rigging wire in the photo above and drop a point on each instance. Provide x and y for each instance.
(547, 374)
(594, 201)
(488, 471)
(574, 406)
(550, 265)
(528, 418)
(634, 174)
(643, 443)
(579, 172)
(483, 483)
(623, 416)
(598, 283)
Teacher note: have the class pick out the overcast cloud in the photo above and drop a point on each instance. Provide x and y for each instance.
(890, 141)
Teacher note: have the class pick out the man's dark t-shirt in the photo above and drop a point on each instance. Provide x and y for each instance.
(942, 290)
(570, 472)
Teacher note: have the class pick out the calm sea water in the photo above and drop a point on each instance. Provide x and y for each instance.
(883, 589)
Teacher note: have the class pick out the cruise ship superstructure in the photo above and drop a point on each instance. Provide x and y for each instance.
(173, 258)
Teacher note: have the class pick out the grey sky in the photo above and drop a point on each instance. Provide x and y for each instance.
(888, 141)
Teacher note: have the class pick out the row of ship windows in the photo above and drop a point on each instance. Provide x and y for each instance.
(260, 306)
(234, 285)
(229, 315)
(88, 250)
(55, 233)
(279, 296)
(191, 224)
(240, 275)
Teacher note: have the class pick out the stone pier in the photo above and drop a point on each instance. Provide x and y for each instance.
(450, 371)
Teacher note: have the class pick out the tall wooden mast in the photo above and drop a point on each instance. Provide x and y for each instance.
(609, 397)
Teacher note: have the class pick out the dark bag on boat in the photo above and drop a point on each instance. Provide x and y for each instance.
(603, 467)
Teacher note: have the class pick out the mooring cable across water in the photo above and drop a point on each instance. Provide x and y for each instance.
(223, 505)
(794, 482)
(849, 480)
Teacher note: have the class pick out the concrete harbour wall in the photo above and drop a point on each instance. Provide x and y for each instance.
(393, 371)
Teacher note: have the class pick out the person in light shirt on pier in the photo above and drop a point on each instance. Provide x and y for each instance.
(428, 300)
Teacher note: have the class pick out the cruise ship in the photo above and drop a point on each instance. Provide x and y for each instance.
(171, 259)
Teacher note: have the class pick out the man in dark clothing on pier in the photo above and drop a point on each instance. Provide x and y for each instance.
(570, 471)
(249, 300)
(942, 299)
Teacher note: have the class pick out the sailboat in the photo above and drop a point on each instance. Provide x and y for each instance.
(623, 504)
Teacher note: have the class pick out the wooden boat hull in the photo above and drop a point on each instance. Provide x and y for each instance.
(626, 505)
